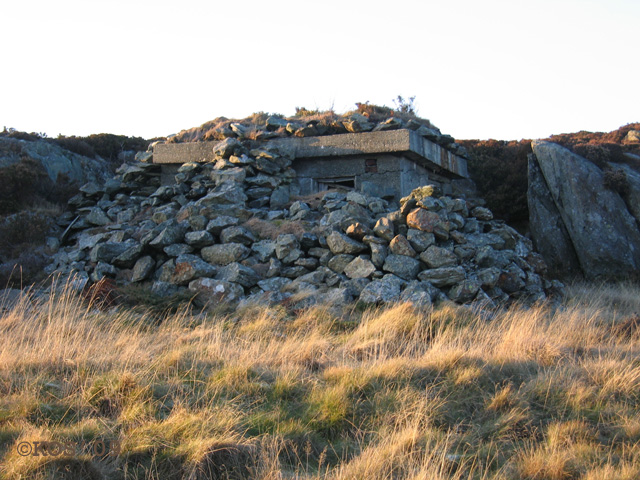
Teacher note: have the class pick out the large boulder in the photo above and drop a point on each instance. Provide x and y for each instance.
(604, 235)
(56, 161)
(547, 227)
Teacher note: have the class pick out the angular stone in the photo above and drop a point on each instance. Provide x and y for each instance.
(287, 248)
(488, 277)
(226, 148)
(297, 207)
(237, 273)
(423, 220)
(210, 292)
(384, 228)
(107, 251)
(224, 194)
(442, 277)
(236, 174)
(512, 279)
(478, 240)
(465, 291)
(102, 270)
(172, 233)
(310, 263)
(86, 241)
(355, 286)
(384, 290)
(417, 295)
(308, 240)
(219, 223)
(436, 257)
(399, 245)
(199, 239)
(237, 235)
(482, 213)
(488, 257)
(127, 258)
(274, 284)
(188, 267)
(339, 262)
(402, 266)
(378, 254)
(97, 216)
(279, 198)
(358, 231)
(263, 250)
(359, 268)
(225, 254)
(143, 269)
(419, 240)
(177, 249)
(340, 243)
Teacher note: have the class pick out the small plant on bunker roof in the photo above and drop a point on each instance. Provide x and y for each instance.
(405, 105)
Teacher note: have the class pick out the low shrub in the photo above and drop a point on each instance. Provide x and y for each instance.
(500, 171)
(616, 181)
(26, 183)
(76, 145)
(23, 228)
(106, 145)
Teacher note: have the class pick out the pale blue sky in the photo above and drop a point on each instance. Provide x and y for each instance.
(505, 69)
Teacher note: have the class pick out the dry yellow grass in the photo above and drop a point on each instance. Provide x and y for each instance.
(539, 393)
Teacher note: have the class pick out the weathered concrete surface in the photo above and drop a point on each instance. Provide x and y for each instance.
(603, 233)
(183, 152)
(426, 153)
(405, 141)
(394, 175)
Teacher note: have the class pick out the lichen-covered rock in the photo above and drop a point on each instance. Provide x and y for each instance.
(423, 220)
(599, 226)
(385, 290)
(399, 245)
(287, 248)
(237, 273)
(199, 238)
(210, 292)
(402, 266)
(143, 269)
(436, 257)
(237, 235)
(340, 243)
(384, 228)
(187, 267)
(464, 291)
(359, 268)
(225, 254)
(443, 277)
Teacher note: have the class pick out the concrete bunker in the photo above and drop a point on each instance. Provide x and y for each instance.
(385, 164)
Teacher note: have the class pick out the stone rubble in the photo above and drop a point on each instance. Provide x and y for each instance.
(195, 236)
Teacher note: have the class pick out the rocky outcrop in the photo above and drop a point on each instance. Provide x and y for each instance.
(577, 223)
(56, 161)
(218, 233)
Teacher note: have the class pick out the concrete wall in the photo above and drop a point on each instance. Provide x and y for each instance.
(395, 175)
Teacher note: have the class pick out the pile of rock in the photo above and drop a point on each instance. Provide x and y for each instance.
(203, 234)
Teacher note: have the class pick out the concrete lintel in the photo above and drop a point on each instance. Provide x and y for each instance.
(183, 152)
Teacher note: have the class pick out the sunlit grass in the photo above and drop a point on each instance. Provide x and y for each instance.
(549, 392)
